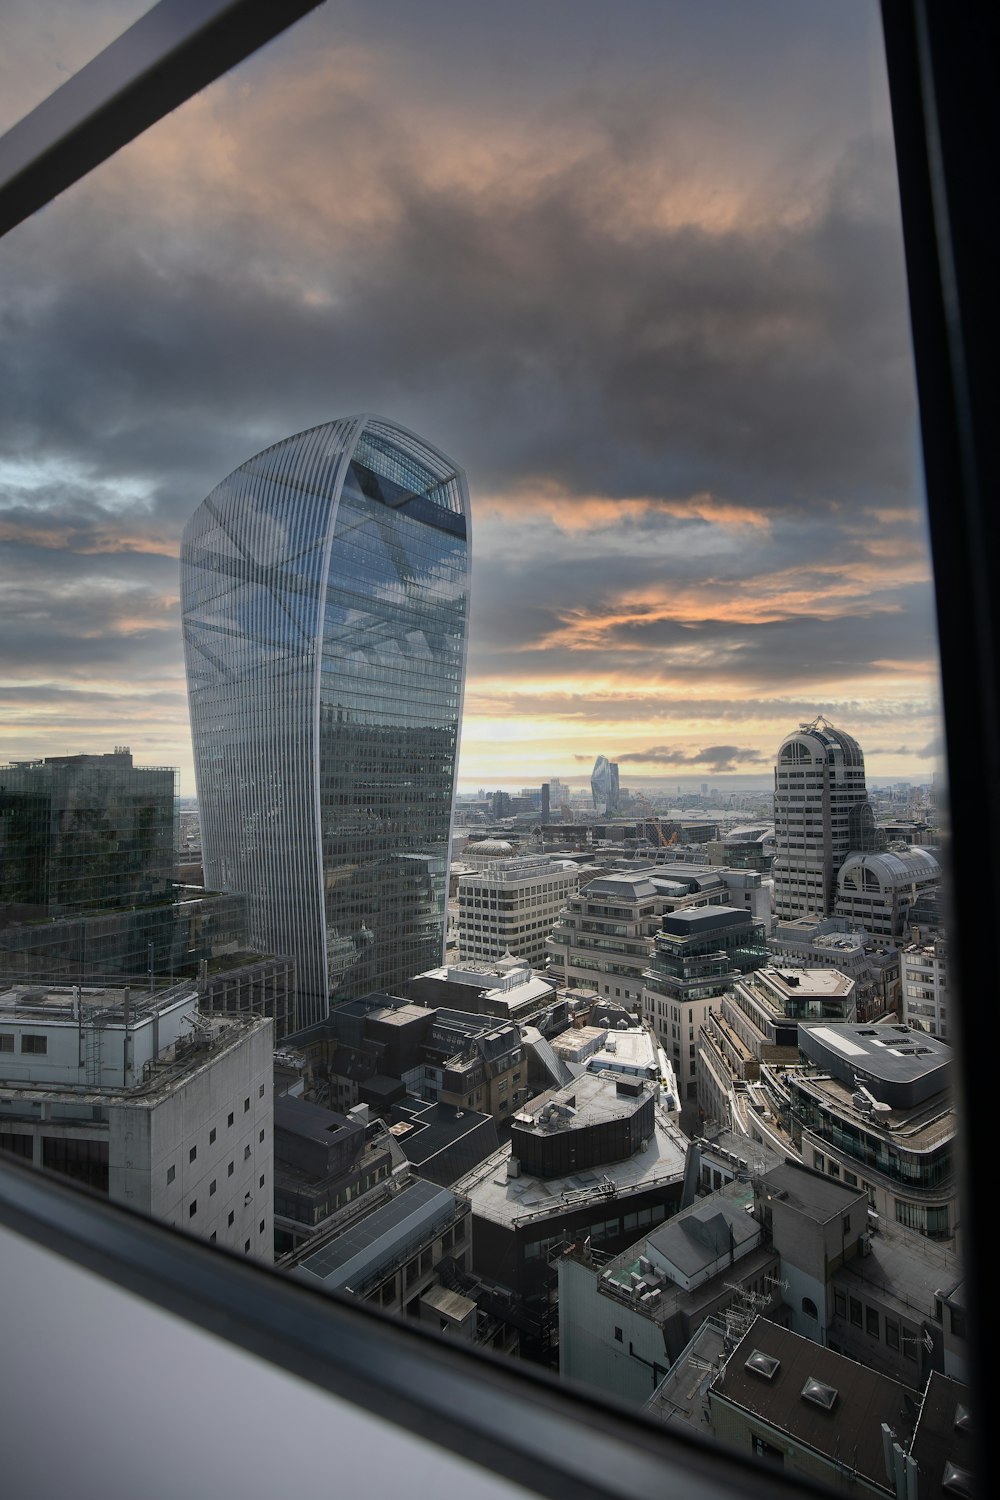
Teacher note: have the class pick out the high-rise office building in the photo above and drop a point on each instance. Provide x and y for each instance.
(604, 785)
(821, 814)
(324, 591)
(85, 833)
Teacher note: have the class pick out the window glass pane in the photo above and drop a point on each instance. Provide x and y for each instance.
(627, 294)
(47, 42)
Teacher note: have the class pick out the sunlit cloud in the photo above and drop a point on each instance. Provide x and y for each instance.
(662, 325)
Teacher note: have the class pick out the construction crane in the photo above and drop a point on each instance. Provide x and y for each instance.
(667, 843)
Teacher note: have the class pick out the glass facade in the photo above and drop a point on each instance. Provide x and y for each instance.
(84, 833)
(163, 937)
(696, 965)
(604, 785)
(324, 591)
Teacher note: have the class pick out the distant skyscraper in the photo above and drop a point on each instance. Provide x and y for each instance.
(324, 591)
(604, 785)
(821, 814)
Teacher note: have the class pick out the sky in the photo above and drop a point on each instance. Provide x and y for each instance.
(637, 268)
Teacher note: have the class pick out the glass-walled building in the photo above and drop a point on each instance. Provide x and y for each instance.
(85, 833)
(697, 956)
(324, 590)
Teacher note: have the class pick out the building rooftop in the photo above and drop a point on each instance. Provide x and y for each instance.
(364, 1247)
(632, 1051)
(512, 986)
(815, 1196)
(692, 1241)
(904, 1066)
(313, 1122)
(441, 1141)
(682, 1395)
(675, 1267)
(942, 1443)
(400, 1013)
(694, 922)
(738, 1151)
(918, 1127)
(597, 1098)
(801, 984)
(908, 1269)
(214, 1037)
(515, 1200)
(58, 1002)
(790, 1395)
(894, 868)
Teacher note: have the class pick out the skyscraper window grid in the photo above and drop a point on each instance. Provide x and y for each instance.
(325, 598)
(821, 813)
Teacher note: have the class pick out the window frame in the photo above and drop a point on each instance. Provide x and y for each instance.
(946, 127)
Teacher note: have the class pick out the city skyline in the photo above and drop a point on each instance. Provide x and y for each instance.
(665, 327)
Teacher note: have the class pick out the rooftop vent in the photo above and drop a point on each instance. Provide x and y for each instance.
(763, 1364)
(955, 1480)
(819, 1393)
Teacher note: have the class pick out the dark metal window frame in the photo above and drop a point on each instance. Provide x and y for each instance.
(945, 118)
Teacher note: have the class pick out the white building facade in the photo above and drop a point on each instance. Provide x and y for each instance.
(511, 905)
(821, 813)
(876, 891)
(140, 1097)
(924, 974)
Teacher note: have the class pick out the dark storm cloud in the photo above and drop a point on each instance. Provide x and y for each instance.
(591, 256)
(934, 750)
(538, 330)
(717, 758)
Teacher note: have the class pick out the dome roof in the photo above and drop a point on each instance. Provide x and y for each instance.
(819, 742)
(891, 869)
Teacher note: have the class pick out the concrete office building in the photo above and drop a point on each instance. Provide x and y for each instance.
(599, 1157)
(624, 1320)
(821, 814)
(507, 989)
(781, 1240)
(603, 939)
(697, 955)
(604, 936)
(510, 906)
(873, 1107)
(877, 891)
(140, 1097)
(839, 943)
(324, 594)
(756, 1025)
(924, 980)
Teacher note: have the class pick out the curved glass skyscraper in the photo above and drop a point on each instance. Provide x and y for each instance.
(324, 592)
